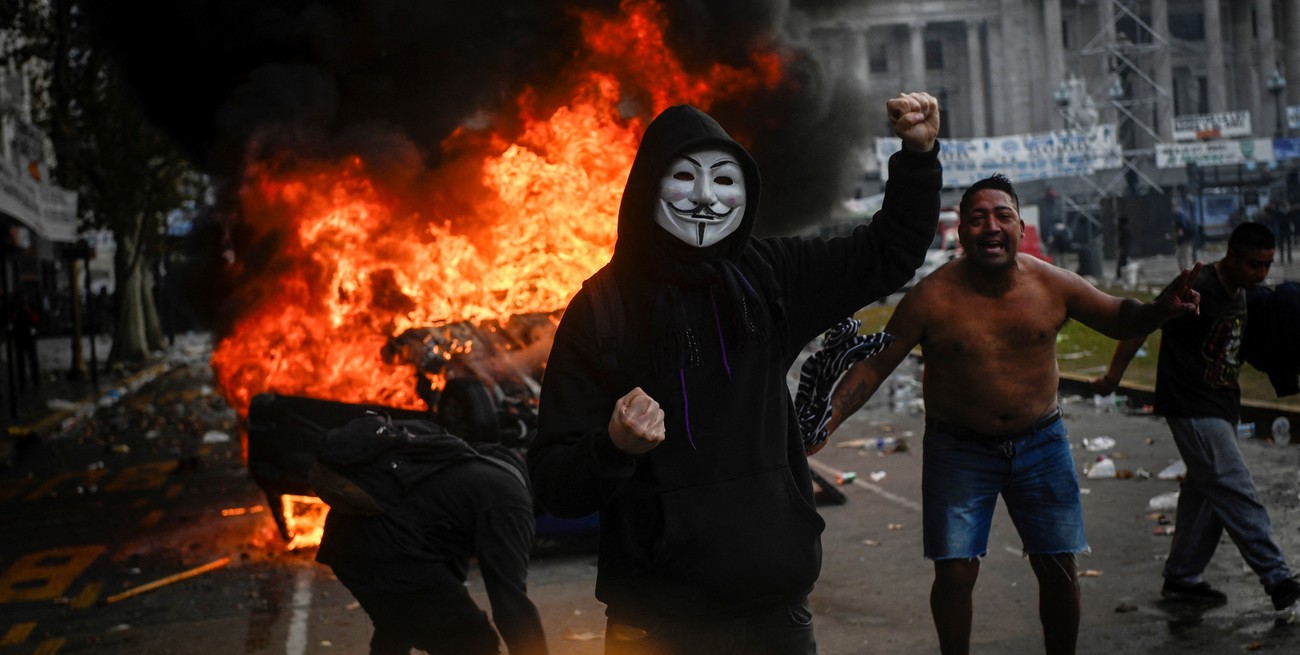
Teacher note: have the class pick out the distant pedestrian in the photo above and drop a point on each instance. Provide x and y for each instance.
(1286, 227)
(1061, 242)
(1197, 393)
(1183, 235)
(1123, 240)
(23, 323)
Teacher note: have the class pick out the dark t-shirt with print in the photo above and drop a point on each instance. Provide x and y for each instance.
(1196, 375)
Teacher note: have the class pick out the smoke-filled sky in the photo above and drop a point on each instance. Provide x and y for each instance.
(214, 72)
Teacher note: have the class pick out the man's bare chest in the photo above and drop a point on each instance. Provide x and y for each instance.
(988, 329)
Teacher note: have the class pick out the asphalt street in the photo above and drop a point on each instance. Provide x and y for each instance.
(129, 524)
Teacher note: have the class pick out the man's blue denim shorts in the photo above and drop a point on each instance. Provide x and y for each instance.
(963, 474)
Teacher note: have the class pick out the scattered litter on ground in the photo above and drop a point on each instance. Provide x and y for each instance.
(1104, 467)
(216, 436)
(1175, 471)
(877, 476)
(1097, 444)
(585, 635)
(1165, 502)
(1090, 573)
(879, 444)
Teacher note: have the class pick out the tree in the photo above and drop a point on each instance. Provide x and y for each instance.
(129, 176)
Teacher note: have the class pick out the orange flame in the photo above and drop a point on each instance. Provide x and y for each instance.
(503, 228)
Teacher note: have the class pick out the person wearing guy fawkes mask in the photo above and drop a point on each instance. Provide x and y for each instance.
(689, 448)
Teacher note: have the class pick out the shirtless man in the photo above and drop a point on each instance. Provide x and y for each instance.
(987, 325)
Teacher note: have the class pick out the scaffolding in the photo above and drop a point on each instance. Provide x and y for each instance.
(1119, 71)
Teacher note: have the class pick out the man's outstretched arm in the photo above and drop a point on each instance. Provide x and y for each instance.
(864, 378)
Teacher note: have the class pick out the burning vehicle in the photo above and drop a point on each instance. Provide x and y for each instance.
(491, 384)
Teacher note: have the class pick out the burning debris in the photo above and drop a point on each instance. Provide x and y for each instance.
(492, 373)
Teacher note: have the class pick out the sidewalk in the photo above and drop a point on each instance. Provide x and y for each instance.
(33, 412)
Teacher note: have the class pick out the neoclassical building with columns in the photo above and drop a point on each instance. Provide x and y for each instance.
(999, 63)
(1008, 67)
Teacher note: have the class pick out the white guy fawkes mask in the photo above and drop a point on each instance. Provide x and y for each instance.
(701, 197)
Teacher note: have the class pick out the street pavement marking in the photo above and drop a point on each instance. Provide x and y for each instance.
(85, 477)
(49, 646)
(296, 641)
(46, 574)
(150, 475)
(17, 634)
(86, 597)
(151, 519)
(833, 473)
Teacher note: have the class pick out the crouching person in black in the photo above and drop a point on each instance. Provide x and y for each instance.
(409, 505)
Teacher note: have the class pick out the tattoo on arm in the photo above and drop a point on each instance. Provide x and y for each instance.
(852, 398)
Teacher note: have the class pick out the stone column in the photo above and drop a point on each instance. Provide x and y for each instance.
(1106, 22)
(1245, 88)
(1000, 120)
(858, 55)
(1014, 67)
(1164, 74)
(1053, 58)
(1214, 64)
(975, 80)
(1292, 43)
(1266, 55)
(916, 74)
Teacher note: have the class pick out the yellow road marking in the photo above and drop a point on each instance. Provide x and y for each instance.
(87, 597)
(150, 475)
(151, 519)
(46, 574)
(49, 646)
(85, 477)
(17, 634)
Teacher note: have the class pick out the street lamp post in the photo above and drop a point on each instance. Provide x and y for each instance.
(1276, 85)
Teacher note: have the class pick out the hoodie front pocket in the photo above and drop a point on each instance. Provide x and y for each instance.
(748, 537)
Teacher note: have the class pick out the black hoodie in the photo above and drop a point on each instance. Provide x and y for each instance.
(719, 519)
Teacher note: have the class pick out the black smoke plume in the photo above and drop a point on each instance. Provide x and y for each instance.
(390, 79)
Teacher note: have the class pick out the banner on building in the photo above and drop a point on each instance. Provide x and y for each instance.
(48, 210)
(1221, 152)
(1224, 124)
(1288, 148)
(1021, 157)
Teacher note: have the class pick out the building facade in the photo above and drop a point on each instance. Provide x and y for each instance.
(999, 63)
(1016, 67)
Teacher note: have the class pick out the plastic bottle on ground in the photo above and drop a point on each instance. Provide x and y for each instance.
(1281, 430)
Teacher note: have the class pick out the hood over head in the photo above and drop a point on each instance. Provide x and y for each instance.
(643, 245)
